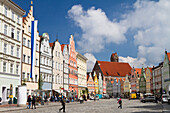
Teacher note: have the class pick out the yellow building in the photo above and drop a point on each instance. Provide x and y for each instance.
(96, 82)
(127, 85)
(148, 80)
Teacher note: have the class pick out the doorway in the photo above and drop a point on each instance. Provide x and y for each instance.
(4, 91)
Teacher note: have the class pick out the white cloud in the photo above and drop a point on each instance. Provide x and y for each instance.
(97, 29)
(90, 62)
(149, 21)
(133, 62)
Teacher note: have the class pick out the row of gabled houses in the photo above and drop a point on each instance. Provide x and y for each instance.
(27, 58)
(117, 78)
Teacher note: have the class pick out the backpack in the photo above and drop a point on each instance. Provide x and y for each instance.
(120, 102)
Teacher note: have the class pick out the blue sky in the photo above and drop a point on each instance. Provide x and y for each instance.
(132, 28)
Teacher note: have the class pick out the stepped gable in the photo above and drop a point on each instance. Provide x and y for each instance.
(118, 69)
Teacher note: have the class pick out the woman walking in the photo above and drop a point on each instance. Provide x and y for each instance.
(120, 103)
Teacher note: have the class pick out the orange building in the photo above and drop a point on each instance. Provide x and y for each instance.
(73, 75)
(90, 84)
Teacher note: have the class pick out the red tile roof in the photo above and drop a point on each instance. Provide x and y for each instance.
(138, 70)
(114, 68)
(168, 56)
(62, 47)
(51, 44)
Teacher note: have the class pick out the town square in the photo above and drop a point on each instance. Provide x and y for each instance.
(84, 56)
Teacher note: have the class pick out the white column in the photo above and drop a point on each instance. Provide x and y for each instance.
(22, 95)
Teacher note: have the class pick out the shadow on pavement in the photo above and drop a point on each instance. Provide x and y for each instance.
(151, 107)
(146, 112)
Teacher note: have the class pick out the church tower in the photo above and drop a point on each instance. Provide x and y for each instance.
(114, 57)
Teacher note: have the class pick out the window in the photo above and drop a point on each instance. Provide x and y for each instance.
(28, 43)
(24, 58)
(56, 65)
(28, 59)
(59, 66)
(23, 75)
(44, 48)
(5, 29)
(36, 47)
(12, 32)
(36, 78)
(4, 66)
(18, 18)
(12, 50)
(36, 62)
(29, 28)
(5, 48)
(17, 68)
(24, 41)
(47, 49)
(47, 61)
(6, 11)
(56, 78)
(28, 76)
(17, 52)
(12, 15)
(58, 54)
(11, 68)
(18, 33)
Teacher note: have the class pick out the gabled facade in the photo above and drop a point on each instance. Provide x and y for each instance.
(73, 74)
(57, 66)
(142, 82)
(148, 79)
(32, 83)
(133, 80)
(10, 47)
(127, 85)
(138, 74)
(166, 73)
(90, 85)
(104, 85)
(46, 62)
(100, 84)
(65, 51)
(96, 82)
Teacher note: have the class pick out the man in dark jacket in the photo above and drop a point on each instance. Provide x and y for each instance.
(63, 105)
(33, 102)
(29, 101)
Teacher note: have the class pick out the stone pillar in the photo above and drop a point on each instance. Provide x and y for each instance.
(22, 95)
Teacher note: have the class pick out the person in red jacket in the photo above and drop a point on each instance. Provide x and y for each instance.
(120, 103)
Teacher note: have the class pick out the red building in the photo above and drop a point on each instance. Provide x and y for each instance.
(73, 75)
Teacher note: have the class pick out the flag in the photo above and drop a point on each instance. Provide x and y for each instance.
(33, 45)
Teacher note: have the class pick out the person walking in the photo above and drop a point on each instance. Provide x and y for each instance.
(63, 105)
(120, 103)
(33, 102)
(29, 101)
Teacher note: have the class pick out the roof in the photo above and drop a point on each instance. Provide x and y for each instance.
(62, 47)
(138, 70)
(168, 56)
(51, 44)
(114, 68)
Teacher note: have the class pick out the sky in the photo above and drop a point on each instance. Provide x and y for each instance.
(138, 30)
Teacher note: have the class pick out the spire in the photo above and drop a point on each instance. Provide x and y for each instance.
(32, 6)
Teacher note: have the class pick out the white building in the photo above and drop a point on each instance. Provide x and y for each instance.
(46, 62)
(82, 73)
(10, 47)
(32, 83)
(57, 66)
(65, 51)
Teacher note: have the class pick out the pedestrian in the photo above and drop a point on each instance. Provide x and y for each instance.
(156, 99)
(33, 102)
(120, 103)
(29, 101)
(45, 98)
(81, 100)
(63, 105)
(94, 98)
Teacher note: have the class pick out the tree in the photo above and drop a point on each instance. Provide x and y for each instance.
(40, 82)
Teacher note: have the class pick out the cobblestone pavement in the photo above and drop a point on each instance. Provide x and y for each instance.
(101, 106)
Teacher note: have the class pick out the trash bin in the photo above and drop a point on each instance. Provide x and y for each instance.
(14, 100)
